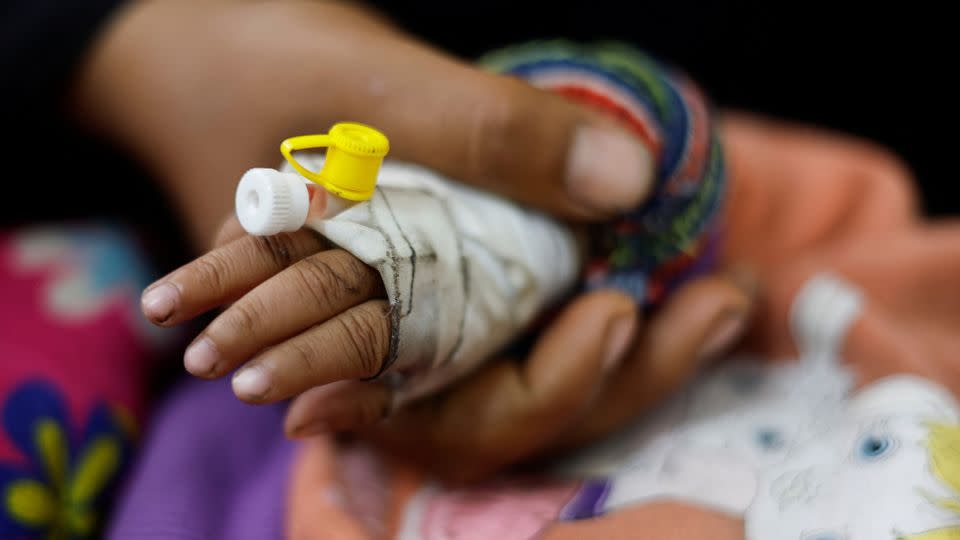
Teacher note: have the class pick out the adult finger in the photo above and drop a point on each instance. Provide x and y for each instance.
(485, 129)
(509, 410)
(536, 148)
(701, 320)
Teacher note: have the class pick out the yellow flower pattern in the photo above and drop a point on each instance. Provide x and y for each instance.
(59, 494)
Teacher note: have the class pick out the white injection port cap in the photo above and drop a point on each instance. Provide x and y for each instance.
(270, 202)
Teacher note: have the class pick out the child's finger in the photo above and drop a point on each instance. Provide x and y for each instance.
(229, 231)
(501, 134)
(309, 292)
(341, 406)
(352, 345)
(224, 274)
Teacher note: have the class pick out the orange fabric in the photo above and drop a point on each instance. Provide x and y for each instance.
(804, 202)
(326, 501)
(654, 521)
(316, 504)
(801, 202)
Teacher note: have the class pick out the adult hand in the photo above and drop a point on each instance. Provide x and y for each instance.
(202, 91)
(309, 322)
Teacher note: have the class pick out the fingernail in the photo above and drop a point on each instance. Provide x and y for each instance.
(723, 335)
(159, 302)
(201, 357)
(608, 170)
(251, 383)
(619, 338)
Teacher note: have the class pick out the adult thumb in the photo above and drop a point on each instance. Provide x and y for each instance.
(536, 148)
(502, 134)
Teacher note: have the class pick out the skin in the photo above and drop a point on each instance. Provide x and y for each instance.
(315, 320)
(561, 396)
(200, 91)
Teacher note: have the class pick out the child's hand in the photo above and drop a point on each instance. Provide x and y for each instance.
(306, 315)
(203, 91)
(303, 314)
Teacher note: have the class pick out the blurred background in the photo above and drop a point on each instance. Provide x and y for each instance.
(883, 71)
(880, 72)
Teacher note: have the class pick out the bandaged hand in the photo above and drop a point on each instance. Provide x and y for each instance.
(309, 321)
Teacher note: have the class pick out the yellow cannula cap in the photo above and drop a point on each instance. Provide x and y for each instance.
(354, 154)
